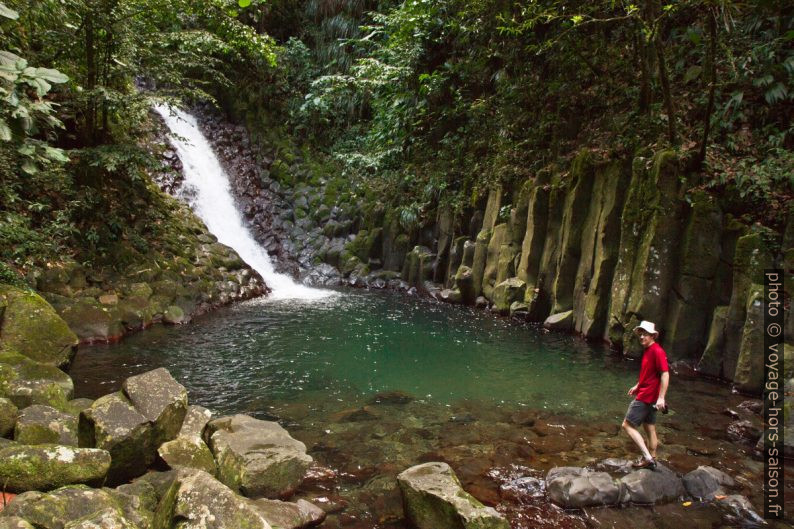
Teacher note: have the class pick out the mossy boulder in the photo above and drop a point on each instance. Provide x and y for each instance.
(14, 522)
(535, 234)
(197, 500)
(30, 326)
(711, 361)
(508, 292)
(196, 419)
(498, 237)
(749, 374)
(49, 466)
(8, 417)
(480, 259)
(455, 259)
(418, 266)
(26, 382)
(433, 498)
(93, 322)
(464, 283)
(55, 509)
(257, 458)
(111, 517)
(40, 424)
(113, 424)
(288, 515)
(174, 315)
(161, 399)
(561, 321)
(189, 452)
(138, 501)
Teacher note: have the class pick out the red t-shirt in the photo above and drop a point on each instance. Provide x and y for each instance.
(654, 363)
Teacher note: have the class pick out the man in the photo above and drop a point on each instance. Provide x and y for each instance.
(649, 393)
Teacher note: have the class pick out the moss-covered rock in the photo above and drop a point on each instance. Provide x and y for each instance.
(161, 399)
(445, 224)
(92, 322)
(535, 234)
(196, 500)
(499, 237)
(110, 517)
(749, 374)
(599, 253)
(113, 424)
(138, 501)
(464, 283)
(257, 458)
(14, 522)
(712, 359)
(479, 260)
(49, 466)
(287, 515)
(561, 321)
(53, 510)
(174, 315)
(40, 424)
(418, 266)
(190, 452)
(578, 200)
(31, 326)
(506, 293)
(538, 294)
(8, 417)
(25, 382)
(434, 499)
(455, 259)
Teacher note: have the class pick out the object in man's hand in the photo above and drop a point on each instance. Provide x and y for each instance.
(663, 409)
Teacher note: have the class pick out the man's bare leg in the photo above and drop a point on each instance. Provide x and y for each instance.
(653, 440)
(637, 437)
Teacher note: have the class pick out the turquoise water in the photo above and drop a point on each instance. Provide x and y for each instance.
(359, 343)
(501, 401)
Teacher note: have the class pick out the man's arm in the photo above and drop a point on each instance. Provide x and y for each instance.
(665, 381)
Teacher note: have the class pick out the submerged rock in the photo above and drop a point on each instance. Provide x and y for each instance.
(434, 499)
(39, 424)
(257, 458)
(286, 515)
(575, 487)
(49, 466)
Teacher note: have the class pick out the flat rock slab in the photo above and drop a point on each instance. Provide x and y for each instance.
(55, 509)
(198, 501)
(434, 499)
(159, 398)
(111, 423)
(40, 424)
(257, 458)
(46, 467)
(705, 482)
(287, 515)
(652, 486)
(574, 487)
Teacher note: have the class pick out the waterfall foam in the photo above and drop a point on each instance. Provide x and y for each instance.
(206, 188)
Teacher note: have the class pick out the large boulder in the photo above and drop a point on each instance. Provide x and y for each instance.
(190, 452)
(14, 522)
(49, 466)
(39, 424)
(196, 500)
(26, 382)
(113, 424)
(55, 509)
(91, 321)
(257, 458)
(645, 486)
(705, 482)
(108, 518)
(464, 283)
(434, 499)
(8, 416)
(287, 515)
(31, 326)
(749, 374)
(196, 419)
(508, 292)
(159, 398)
(575, 487)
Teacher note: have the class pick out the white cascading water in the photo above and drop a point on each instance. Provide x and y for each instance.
(206, 188)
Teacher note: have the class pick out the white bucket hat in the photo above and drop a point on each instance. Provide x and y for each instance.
(648, 327)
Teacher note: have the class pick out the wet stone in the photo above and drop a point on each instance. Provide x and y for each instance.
(652, 486)
(705, 482)
(575, 487)
(159, 398)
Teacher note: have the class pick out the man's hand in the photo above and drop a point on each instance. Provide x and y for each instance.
(660, 403)
(633, 389)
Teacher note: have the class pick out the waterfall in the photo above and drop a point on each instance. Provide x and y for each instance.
(206, 188)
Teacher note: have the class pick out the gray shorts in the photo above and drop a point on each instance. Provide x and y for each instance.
(641, 412)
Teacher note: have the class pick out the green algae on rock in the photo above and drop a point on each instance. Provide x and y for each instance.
(30, 326)
(49, 466)
(40, 424)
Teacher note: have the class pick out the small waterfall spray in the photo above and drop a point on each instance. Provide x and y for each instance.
(206, 188)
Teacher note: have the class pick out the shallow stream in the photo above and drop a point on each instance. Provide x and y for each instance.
(374, 382)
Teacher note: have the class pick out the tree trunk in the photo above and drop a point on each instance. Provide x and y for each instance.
(666, 93)
(91, 78)
(711, 67)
